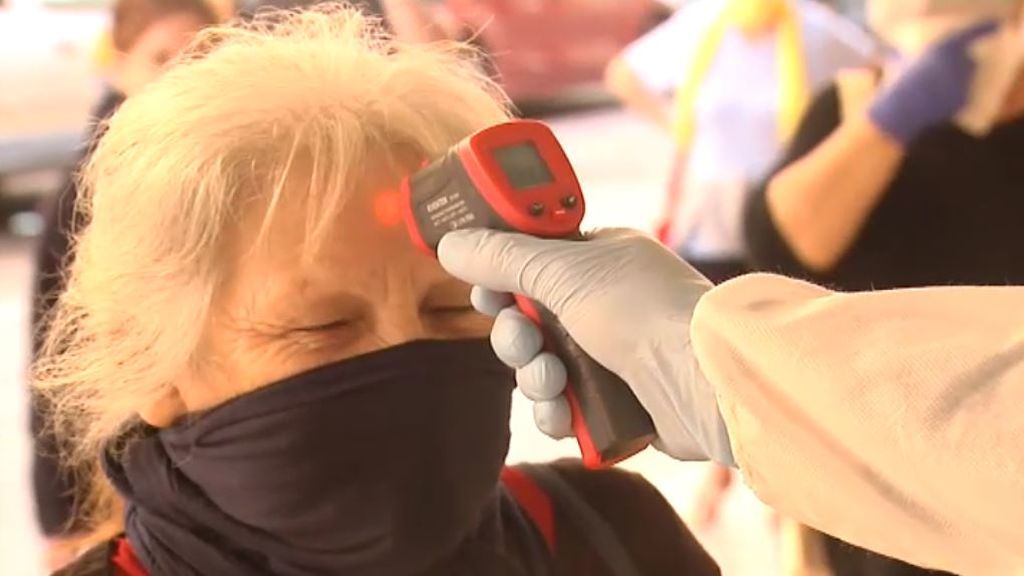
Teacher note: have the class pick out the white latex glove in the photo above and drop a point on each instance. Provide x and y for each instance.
(625, 299)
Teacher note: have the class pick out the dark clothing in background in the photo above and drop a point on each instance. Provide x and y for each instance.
(951, 216)
(54, 243)
(848, 560)
(641, 519)
(55, 489)
(718, 271)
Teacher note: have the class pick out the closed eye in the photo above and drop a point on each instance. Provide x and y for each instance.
(452, 310)
(325, 327)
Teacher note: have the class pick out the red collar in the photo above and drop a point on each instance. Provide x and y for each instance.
(124, 561)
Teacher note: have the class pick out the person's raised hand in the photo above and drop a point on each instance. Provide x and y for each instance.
(624, 298)
(932, 90)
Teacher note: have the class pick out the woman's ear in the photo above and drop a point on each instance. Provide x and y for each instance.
(165, 410)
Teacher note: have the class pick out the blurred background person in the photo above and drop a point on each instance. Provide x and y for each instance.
(741, 73)
(145, 35)
(884, 186)
(105, 54)
(871, 194)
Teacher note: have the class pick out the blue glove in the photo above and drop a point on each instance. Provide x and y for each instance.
(932, 90)
(625, 299)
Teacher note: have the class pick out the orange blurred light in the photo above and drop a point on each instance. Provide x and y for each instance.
(387, 208)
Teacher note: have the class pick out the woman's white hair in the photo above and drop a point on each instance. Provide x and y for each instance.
(216, 135)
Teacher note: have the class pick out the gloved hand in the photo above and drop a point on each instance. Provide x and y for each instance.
(625, 299)
(932, 90)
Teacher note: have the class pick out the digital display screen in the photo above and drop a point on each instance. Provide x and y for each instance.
(523, 166)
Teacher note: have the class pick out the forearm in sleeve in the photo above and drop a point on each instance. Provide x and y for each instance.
(888, 419)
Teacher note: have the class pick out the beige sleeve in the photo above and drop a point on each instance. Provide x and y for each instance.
(893, 420)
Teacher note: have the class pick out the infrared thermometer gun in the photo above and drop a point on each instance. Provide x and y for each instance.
(515, 177)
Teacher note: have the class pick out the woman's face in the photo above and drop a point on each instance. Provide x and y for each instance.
(156, 46)
(367, 289)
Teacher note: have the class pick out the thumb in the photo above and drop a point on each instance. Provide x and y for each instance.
(500, 261)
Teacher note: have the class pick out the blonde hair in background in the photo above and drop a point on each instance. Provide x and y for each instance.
(215, 136)
(778, 17)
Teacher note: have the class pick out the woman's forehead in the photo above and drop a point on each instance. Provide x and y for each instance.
(356, 260)
(360, 235)
(321, 224)
(356, 228)
(315, 198)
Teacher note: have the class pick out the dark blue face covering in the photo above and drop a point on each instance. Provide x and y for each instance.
(386, 464)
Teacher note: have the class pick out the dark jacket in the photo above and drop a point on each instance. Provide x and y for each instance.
(54, 489)
(642, 522)
(951, 215)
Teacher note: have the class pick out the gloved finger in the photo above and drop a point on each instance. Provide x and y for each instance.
(543, 378)
(553, 418)
(515, 339)
(682, 449)
(515, 263)
(489, 302)
(613, 233)
(494, 260)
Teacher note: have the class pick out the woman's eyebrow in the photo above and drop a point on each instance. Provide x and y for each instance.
(337, 299)
(273, 309)
(320, 291)
(448, 287)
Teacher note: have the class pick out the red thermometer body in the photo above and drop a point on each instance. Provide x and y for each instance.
(516, 177)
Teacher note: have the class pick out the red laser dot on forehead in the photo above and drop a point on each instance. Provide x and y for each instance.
(387, 208)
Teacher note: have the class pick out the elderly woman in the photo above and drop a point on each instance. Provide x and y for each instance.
(275, 383)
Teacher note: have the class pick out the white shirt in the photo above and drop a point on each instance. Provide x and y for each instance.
(736, 142)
